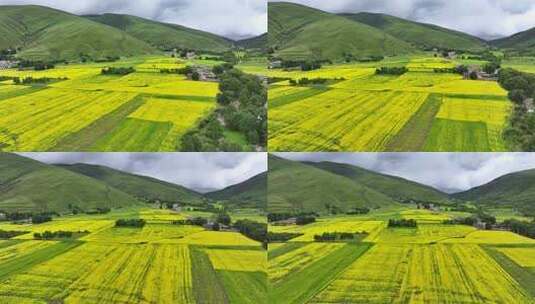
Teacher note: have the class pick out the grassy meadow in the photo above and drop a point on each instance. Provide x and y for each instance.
(159, 263)
(357, 110)
(87, 111)
(433, 263)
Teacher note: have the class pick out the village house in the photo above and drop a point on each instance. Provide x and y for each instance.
(8, 64)
(277, 64)
(529, 105)
(205, 74)
(480, 75)
(3, 216)
(191, 55)
(176, 207)
(286, 222)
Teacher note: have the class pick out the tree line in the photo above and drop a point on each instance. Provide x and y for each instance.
(137, 223)
(117, 70)
(407, 223)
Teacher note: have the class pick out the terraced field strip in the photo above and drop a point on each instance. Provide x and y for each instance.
(424, 234)
(28, 257)
(457, 136)
(282, 248)
(523, 256)
(212, 238)
(238, 260)
(207, 287)
(64, 225)
(299, 259)
(244, 287)
(294, 95)
(54, 278)
(138, 274)
(150, 233)
(524, 276)
(424, 274)
(414, 133)
(12, 91)
(301, 286)
(340, 225)
(35, 122)
(492, 237)
(341, 120)
(85, 139)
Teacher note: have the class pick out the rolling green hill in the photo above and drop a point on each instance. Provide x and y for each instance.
(295, 187)
(421, 35)
(250, 193)
(300, 32)
(258, 42)
(47, 34)
(512, 190)
(164, 35)
(142, 187)
(30, 186)
(520, 41)
(397, 188)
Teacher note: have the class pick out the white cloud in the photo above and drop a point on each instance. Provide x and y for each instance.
(199, 171)
(483, 18)
(230, 18)
(445, 171)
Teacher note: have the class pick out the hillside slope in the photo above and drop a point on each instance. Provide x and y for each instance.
(47, 34)
(142, 187)
(300, 32)
(251, 192)
(520, 41)
(258, 42)
(397, 188)
(30, 186)
(164, 35)
(421, 35)
(512, 190)
(295, 187)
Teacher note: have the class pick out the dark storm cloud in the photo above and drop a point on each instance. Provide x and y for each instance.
(199, 171)
(446, 171)
(483, 18)
(231, 18)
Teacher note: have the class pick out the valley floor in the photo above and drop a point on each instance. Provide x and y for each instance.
(143, 111)
(360, 111)
(159, 263)
(433, 263)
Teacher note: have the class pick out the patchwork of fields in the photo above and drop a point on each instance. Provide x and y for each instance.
(142, 111)
(159, 263)
(433, 263)
(360, 111)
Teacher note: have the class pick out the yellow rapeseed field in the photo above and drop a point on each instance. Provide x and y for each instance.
(238, 260)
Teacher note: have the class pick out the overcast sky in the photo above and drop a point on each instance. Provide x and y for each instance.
(198, 171)
(483, 18)
(231, 18)
(450, 172)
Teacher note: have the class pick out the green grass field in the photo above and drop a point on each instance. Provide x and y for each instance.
(159, 263)
(433, 263)
(418, 111)
(142, 111)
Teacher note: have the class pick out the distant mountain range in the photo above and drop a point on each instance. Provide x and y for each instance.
(27, 185)
(43, 33)
(309, 186)
(300, 32)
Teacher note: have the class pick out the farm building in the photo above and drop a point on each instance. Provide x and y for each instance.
(286, 222)
(7, 64)
(275, 64)
(529, 105)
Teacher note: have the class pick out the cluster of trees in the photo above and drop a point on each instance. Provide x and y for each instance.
(242, 108)
(521, 129)
(304, 65)
(31, 80)
(36, 65)
(8, 54)
(194, 221)
(357, 210)
(275, 217)
(521, 227)
(409, 223)
(279, 237)
(482, 217)
(338, 236)
(374, 58)
(306, 81)
(253, 230)
(391, 70)
(108, 59)
(130, 223)
(49, 235)
(460, 69)
(305, 219)
(117, 71)
(4, 234)
(183, 71)
(36, 218)
(99, 210)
